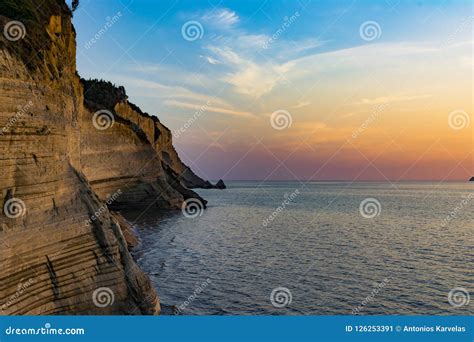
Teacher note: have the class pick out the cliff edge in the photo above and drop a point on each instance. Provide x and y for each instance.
(121, 148)
(62, 250)
(100, 94)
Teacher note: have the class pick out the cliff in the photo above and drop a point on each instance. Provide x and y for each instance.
(100, 94)
(119, 151)
(62, 250)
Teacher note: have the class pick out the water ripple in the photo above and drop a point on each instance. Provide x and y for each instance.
(331, 258)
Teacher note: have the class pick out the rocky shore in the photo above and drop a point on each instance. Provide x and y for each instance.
(72, 151)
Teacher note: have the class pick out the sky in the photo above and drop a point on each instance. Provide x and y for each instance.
(295, 90)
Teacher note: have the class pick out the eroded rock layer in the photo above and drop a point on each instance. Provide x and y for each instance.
(118, 161)
(102, 95)
(61, 250)
(120, 150)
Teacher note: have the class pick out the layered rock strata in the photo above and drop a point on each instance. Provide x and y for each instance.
(122, 149)
(101, 95)
(61, 249)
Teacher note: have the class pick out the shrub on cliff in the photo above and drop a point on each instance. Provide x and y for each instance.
(100, 94)
(103, 94)
(35, 16)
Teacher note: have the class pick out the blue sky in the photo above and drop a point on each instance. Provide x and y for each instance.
(153, 28)
(246, 63)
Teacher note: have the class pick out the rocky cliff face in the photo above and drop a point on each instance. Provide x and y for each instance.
(164, 146)
(136, 137)
(61, 250)
(103, 95)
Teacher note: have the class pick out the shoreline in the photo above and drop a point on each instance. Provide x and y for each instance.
(76, 151)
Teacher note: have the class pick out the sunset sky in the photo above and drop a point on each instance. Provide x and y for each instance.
(374, 90)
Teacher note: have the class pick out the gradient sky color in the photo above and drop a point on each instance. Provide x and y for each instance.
(398, 107)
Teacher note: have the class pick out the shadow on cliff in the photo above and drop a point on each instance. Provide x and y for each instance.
(63, 171)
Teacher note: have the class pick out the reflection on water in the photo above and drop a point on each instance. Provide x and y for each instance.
(255, 238)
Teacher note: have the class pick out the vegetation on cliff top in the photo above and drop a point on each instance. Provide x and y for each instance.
(106, 95)
(35, 16)
(102, 93)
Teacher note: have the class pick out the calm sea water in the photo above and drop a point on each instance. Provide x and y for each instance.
(312, 240)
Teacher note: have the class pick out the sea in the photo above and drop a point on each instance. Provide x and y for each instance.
(315, 248)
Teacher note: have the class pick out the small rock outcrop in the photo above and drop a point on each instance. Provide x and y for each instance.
(220, 184)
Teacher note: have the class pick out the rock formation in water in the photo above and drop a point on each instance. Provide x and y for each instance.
(220, 184)
(62, 251)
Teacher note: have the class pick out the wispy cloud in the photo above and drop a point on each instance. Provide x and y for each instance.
(247, 76)
(251, 41)
(180, 97)
(302, 104)
(210, 108)
(169, 74)
(390, 99)
(243, 61)
(163, 91)
(221, 18)
(307, 44)
(210, 59)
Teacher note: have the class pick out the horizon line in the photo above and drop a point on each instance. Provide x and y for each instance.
(344, 180)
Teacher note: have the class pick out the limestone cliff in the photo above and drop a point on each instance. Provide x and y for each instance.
(102, 94)
(118, 153)
(61, 250)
